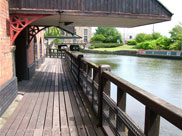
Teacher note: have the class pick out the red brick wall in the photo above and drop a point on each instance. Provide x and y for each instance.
(39, 36)
(31, 54)
(6, 63)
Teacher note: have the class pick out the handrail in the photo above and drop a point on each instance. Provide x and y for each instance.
(161, 107)
(95, 82)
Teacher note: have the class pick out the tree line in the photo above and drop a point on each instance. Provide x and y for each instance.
(154, 41)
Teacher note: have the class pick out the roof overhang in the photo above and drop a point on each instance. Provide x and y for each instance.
(76, 18)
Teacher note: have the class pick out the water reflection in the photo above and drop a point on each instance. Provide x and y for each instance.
(161, 77)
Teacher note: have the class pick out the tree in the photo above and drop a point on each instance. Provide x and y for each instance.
(53, 31)
(156, 35)
(111, 34)
(142, 37)
(176, 36)
(98, 38)
(176, 33)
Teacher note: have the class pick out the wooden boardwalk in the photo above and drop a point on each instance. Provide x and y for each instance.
(53, 105)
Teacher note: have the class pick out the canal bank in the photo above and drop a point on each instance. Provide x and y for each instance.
(134, 53)
(122, 52)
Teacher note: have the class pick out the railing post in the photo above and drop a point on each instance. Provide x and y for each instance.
(121, 103)
(102, 85)
(79, 58)
(152, 123)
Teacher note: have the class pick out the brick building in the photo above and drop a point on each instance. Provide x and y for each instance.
(17, 62)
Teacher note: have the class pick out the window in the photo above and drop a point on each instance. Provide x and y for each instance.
(85, 39)
(85, 32)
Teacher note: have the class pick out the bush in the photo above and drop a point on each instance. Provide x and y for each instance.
(109, 35)
(131, 42)
(176, 46)
(147, 45)
(163, 43)
(143, 37)
(104, 45)
(155, 36)
(98, 37)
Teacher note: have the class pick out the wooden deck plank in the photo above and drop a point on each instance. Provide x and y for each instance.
(34, 117)
(24, 128)
(70, 115)
(49, 113)
(52, 106)
(85, 117)
(42, 115)
(89, 120)
(41, 118)
(63, 114)
(25, 99)
(56, 123)
(23, 114)
(79, 122)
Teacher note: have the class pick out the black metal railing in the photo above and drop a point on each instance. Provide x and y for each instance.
(55, 53)
(113, 119)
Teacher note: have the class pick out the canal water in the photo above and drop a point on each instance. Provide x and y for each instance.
(160, 77)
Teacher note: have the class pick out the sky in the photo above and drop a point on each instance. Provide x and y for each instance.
(174, 6)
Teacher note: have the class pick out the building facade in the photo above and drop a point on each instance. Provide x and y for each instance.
(84, 32)
(18, 61)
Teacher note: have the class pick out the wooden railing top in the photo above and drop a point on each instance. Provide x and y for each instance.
(161, 107)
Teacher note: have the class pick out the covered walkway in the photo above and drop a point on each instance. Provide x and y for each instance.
(53, 105)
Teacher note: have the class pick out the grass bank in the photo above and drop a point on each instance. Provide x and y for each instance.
(125, 47)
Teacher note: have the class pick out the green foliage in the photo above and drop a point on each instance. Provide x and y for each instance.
(156, 35)
(176, 33)
(109, 35)
(131, 42)
(163, 43)
(98, 38)
(147, 45)
(176, 46)
(142, 37)
(53, 31)
(104, 45)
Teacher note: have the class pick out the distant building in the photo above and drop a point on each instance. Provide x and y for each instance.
(84, 32)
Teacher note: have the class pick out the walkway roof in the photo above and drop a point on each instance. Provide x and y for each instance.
(114, 13)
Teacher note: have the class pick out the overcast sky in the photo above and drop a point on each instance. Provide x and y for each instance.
(175, 6)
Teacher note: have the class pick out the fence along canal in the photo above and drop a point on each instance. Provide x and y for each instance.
(95, 82)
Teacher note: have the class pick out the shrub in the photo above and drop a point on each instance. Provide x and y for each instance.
(176, 46)
(147, 45)
(104, 45)
(131, 42)
(111, 34)
(142, 37)
(155, 36)
(98, 37)
(163, 43)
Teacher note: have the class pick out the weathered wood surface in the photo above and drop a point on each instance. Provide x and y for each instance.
(147, 7)
(52, 105)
